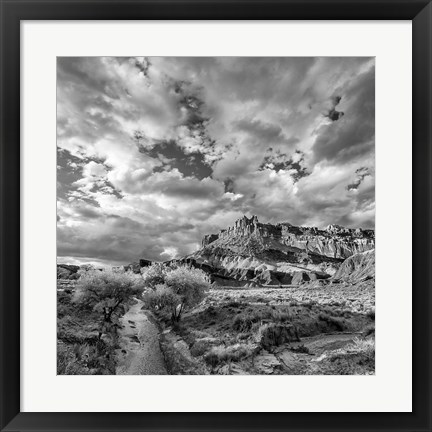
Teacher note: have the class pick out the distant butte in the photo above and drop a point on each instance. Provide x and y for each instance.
(251, 253)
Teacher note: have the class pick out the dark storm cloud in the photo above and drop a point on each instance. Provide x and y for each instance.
(229, 185)
(69, 171)
(277, 161)
(361, 173)
(173, 156)
(190, 189)
(122, 240)
(78, 71)
(297, 166)
(333, 114)
(88, 213)
(260, 130)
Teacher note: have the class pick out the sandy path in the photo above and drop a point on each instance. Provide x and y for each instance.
(139, 352)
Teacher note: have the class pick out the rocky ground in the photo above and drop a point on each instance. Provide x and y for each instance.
(358, 298)
(289, 330)
(303, 330)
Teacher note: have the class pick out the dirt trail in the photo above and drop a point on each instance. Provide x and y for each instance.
(139, 352)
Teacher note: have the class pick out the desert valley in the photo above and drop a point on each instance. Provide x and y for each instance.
(216, 215)
(256, 298)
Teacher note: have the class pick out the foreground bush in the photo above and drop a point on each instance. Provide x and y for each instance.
(154, 275)
(85, 359)
(79, 349)
(245, 321)
(365, 347)
(161, 298)
(274, 334)
(174, 290)
(190, 284)
(221, 354)
(106, 292)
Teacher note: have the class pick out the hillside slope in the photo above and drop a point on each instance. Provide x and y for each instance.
(357, 268)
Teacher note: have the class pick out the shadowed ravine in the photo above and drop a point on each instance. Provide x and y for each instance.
(139, 352)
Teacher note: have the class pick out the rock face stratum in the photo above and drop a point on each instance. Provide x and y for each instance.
(334, 242)
(252, 253)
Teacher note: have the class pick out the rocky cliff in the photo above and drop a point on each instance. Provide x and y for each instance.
(253, 253)
(334, 242)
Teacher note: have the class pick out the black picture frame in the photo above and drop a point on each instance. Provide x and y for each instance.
(12, 12)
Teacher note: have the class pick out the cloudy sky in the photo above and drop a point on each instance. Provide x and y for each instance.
(153, 153)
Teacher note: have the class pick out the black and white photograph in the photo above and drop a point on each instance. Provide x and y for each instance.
(215, 216)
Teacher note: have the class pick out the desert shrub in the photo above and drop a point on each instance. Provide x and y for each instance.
(281, 315)
(271, 335)
(190, 284)
(63, 304)
(203, 345)
(187, 278)
(222, 354)
(154, 275)
(336, 322)
(85, 359)
(73, 329)
(106, 292)
(357, 358)
(162, 297)
(66, 361)
(175, 289)
(338, 312)
(245, 321)
(365, 347)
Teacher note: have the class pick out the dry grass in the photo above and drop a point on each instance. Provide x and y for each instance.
(251, 321)
(221, 354)
(357, 358)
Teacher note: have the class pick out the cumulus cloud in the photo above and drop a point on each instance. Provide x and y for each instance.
(153, 153)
